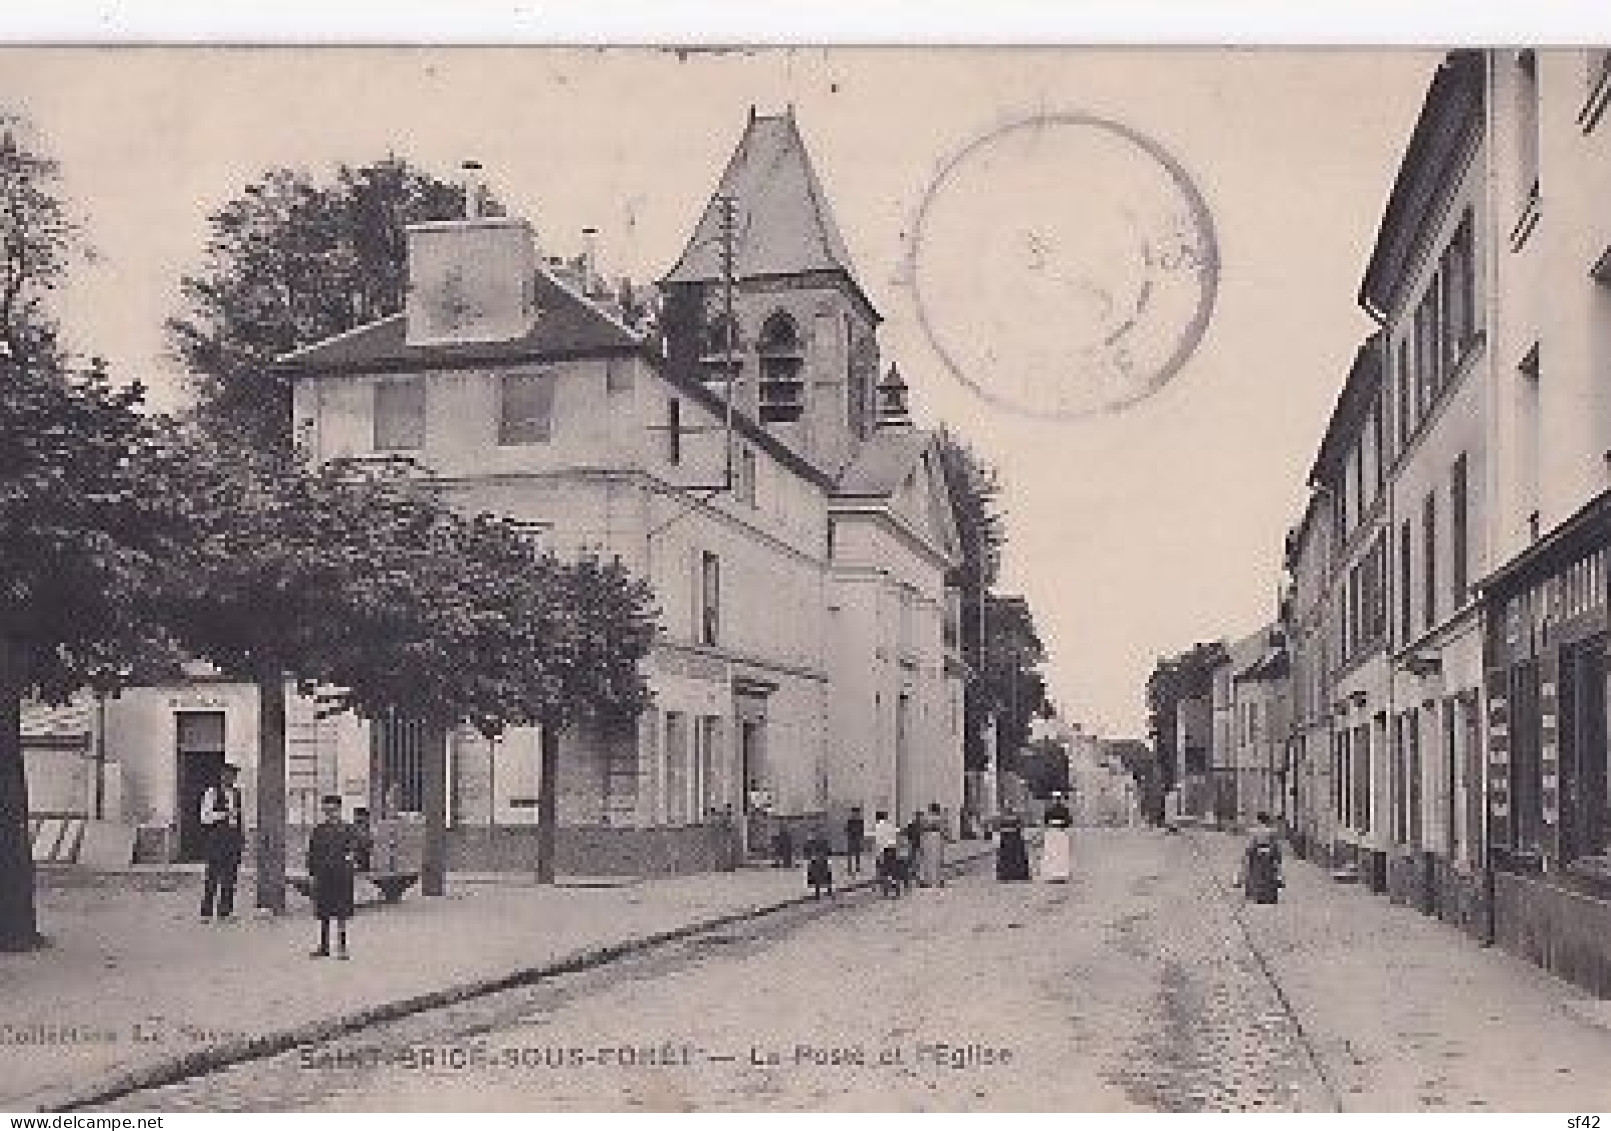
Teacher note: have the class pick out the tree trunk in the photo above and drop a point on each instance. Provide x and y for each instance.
(19, 924)
(271, 791)
(433, 860)
(548, 803)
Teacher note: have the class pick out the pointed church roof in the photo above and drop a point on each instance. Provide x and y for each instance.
(784, 224)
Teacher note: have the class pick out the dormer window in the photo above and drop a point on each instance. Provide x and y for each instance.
(719, 346)
(782, 371)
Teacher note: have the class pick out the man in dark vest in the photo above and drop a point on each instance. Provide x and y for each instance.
(225, 836)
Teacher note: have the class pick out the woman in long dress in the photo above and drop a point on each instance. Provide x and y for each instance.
(1056, 852)
(1012, 860)
(1261, 863)
(931, 851)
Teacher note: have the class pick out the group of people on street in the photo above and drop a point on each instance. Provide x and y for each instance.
(1056, 850)
(336, 852)
(904, 857)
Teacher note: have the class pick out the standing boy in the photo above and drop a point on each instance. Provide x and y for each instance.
(331, 848)
(855, 837)
(886, 840)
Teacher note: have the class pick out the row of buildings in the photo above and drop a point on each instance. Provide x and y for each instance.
(749, 454)
(1444, 624)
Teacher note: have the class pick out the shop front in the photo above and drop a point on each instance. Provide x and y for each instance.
(1549, 808)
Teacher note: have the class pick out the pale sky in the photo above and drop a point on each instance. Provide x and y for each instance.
(1132, 535)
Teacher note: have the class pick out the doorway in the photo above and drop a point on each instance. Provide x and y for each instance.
(199, 762)
(1582, 749)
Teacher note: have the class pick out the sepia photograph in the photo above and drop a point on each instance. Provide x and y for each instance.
(790, 578)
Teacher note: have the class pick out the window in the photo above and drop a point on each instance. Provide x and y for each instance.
(1429, 555)
(1585, 805)
(617, 375)
(400, 414)
(677, 768)
(1340, 777)
(397, 750)
(1529, 433)
(1459, 294)
(1406, 573)
(710, 598)
(1378, 450)
(1370, 577)
(711, 792)
(720, 336)
(1597, 71)
(858, 387)
(782, 366)
(744, 477)
(1400, 761)
(1406, 396)
(1526, 771)
(673, 431)
(1527, 126)
(1426, 354)
(526, 408)
(1459, 550)
(1361, 772)
(1412, 780)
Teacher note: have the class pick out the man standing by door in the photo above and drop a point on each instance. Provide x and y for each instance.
(224, 838)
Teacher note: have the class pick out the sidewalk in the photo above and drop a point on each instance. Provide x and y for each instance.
(1405, 1013)
(135, 984)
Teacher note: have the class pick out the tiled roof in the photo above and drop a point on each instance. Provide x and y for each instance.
(883, 463)
(783, 225)
(567, 325)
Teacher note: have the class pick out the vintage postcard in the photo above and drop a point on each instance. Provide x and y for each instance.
(795, 578)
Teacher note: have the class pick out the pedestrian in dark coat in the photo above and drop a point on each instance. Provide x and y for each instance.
(913, 832)
(855, 840)
(225, 835)
(782, 847)
(1012, 857)
(331, 848)
(1261, 880)
(819, 869)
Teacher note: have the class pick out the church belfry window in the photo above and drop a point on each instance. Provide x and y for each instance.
(782, 370)
(719, 344)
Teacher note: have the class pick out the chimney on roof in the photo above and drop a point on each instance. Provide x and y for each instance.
(475, 189)
(472, 279)
(893, 410)
(591, 283)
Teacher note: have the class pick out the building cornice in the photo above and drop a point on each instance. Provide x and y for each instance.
(1451, 117)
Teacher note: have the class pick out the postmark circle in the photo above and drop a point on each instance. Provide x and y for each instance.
(1063, 265)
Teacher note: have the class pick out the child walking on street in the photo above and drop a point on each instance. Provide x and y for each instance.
(332, 847)
(819, 871)
(887, 859)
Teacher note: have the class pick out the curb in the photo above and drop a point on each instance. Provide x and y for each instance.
(213, 1058)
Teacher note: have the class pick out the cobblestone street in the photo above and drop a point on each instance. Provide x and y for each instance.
(1134, 988)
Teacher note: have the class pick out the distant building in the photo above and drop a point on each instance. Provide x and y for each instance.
(1312, 819)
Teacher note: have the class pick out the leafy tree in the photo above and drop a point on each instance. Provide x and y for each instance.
(359, 581)
(1011, 683)
(82, 532)
(292, 261)
(1043, 766)
(975, 490)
